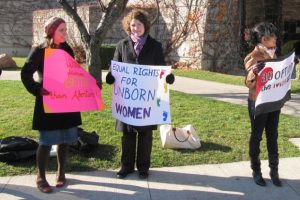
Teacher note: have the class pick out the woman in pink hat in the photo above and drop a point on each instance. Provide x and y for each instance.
(54, 128)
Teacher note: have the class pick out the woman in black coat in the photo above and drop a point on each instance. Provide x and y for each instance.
(138, 48)
(54, 128)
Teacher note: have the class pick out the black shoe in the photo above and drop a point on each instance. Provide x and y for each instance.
(258, 179)
(275, 179)
(143, 175)
(123, 173)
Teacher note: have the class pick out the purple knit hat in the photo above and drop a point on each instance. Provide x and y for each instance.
(51, 25)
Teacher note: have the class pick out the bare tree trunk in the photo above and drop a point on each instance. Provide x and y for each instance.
(92, 44)
(114, 10)
(279, 25)
(242, 11)
(93, 61)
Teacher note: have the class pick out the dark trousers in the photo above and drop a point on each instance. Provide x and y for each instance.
(142, 153)
(269, 122)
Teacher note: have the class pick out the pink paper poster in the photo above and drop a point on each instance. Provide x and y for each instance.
(72, 89)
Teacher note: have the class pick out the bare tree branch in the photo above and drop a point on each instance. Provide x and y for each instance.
(73, 14)
(114, 10)
(190, 20)
(102, 6)
(157, 12)
(75, 5)
(93, 42)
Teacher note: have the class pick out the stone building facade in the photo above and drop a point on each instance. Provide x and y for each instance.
(204, 34)
(283, 13)
(191, 32)
(269, 10)
(16, 24)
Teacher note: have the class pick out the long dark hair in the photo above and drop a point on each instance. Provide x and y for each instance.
(260, 30)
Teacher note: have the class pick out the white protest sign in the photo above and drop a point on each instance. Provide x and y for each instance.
(140, 94)
(273, 86)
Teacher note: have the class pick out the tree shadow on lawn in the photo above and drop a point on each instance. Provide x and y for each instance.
(207, 146)
(296, 91)
(102, 151)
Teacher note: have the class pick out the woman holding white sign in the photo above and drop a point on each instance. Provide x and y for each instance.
(264, 37)
(138, 48)
(54, 128)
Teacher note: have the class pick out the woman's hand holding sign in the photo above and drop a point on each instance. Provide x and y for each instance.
(170, 78)
(296, 60)
(110, 79)
(259, 66)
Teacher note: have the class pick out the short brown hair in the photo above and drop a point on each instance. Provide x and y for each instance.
(140, 15)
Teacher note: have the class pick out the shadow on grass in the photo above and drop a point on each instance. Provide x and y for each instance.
(78, 161)
(102, 152)
(23, 163)
(208, 146)
(297, 91)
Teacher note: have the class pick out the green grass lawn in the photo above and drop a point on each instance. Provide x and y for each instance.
(19, 61)
(222, 127)
(224, 78)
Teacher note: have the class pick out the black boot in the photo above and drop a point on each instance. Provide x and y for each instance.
(124, 172)
(257, 175)
(128, 155)
(273, 164)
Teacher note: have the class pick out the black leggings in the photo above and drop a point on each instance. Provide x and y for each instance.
(269, 122)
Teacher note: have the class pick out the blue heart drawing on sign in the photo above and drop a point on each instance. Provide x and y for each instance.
(165, 115)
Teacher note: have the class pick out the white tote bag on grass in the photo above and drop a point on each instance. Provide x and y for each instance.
(179, 138)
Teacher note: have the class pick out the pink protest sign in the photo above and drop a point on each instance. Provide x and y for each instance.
(71, 88)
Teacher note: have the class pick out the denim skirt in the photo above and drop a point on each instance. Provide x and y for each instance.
(59, 136)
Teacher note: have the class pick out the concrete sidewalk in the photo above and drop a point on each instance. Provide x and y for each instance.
(230, 181)
(201, 182)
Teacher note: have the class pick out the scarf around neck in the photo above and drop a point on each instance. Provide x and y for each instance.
(138, 42)
(270, 52)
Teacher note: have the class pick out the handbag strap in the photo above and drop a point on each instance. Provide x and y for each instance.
(174, 131)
